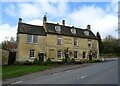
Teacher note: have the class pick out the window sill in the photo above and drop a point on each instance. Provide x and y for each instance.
(59, 59)
(76, 46)
(32, 43)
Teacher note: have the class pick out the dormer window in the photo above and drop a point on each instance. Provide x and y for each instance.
(58, 28)
(86, 33)
(73, 30)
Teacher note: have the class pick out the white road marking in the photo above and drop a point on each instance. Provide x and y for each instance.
(83, 76)
(54, 73)
(16, 82)
(67, 70)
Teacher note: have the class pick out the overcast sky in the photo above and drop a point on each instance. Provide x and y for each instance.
(102, 16)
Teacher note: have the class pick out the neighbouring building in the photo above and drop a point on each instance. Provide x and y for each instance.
(55, 41)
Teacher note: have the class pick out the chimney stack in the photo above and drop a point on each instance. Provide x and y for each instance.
(44, 19)
(88, 27)
(63, 22)
(44, 22)
(20, 20)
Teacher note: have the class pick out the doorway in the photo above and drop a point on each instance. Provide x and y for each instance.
(41, 57)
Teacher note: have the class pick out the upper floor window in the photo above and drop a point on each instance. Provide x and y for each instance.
(73, 31)
(35, 39)
(86, 33)
(58, 28)
(29, 38)
(59, 40)
(31, 55)
(32, 38)
(75, 41)
(59, 53)
(89, 44)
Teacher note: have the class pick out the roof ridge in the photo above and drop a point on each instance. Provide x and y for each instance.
(65, 26)
(31, 25)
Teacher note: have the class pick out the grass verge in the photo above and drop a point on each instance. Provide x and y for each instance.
(11, 71)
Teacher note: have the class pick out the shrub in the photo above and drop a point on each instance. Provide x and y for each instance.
(68, 60)
(72, 60)
(81, 61)
(48, 61)
(36, 61)
(90, 61)
(63, 60)
(27, 63)
(43, 63)
(18, 63)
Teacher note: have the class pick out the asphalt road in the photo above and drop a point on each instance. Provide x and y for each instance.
(99, 73)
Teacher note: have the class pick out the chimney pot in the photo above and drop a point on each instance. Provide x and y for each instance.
(88, 27)
(20, 20)
(44, 18)
(63, 22)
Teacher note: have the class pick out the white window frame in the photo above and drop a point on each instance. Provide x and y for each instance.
(89, 42)
(32, 51)
(74, 54)
(73, 31)
(86, 33)
(35, 39)
(76, 39)
(57, 28)
(59, 38)
(60, 54)
(29, 38)
(32, 39)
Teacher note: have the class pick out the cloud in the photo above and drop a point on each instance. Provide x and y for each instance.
(97, 17)
(102, 20)
(35, 22)
(27, 10)
(7, 30)
(36, 9)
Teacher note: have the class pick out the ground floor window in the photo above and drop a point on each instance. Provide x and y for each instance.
(32, 51)
(59, 53)
(84, 54)
(75, 54)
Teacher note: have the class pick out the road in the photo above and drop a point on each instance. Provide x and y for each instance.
(98, 73)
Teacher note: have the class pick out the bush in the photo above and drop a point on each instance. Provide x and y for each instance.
(27, 63)
(18, 63)
(43, 63)
(90, 61)
(94, 61)
(48, 61)
(81, 61)
(63, 60)
(72, 60)
(36, 61)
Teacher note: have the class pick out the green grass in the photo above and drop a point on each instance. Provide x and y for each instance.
(11, 71)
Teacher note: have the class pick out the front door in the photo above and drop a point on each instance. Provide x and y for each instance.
(90, 56)
(66, 57)
(84, 55)
(41, 57)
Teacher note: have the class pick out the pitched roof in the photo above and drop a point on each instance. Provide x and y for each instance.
(66, 30)
(24, 28)
(31, 29)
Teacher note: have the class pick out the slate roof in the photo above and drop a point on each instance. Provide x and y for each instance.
(24, 28)
(66, 30)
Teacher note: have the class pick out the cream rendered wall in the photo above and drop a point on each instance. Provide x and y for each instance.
(23, 47)
(48, 44)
